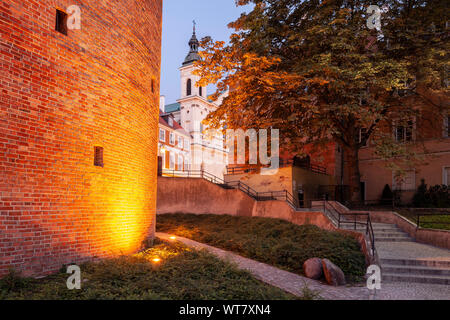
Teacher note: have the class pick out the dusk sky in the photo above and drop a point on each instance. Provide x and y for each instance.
(212, 18)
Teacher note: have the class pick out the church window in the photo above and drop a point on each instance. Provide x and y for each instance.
(189, 87)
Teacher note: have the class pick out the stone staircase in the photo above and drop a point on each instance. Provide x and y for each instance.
(383, 232)
(403, 260)
(414, 270)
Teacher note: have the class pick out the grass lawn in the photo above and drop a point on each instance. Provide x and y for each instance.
(432, 222)
(272, 241)
(181, 274)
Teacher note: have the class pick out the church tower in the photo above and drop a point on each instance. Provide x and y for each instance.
(208, 151)
(188, 80)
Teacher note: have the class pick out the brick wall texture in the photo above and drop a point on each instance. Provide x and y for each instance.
(61, 96)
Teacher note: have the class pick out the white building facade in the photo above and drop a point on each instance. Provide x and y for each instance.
(208, 148)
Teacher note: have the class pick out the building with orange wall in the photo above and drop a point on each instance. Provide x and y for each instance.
(174, 144)
(78, 130)
(428, 135)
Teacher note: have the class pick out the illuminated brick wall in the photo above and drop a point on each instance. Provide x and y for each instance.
(60, 97)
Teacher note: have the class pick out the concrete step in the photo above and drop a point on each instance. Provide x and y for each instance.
(375, 229)
(393, 239)
(390, 234)
(411, 262)
(431, 279)
(384, 225)
(415, 270)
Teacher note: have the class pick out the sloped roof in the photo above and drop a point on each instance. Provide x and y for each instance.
(174, 107)
(176, 125)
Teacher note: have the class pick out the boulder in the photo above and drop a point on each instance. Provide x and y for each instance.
(312, 268)
(333, 274)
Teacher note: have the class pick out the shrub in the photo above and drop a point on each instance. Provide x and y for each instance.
(420, 198)
(434, 197)
(272, 241)
(387, 195)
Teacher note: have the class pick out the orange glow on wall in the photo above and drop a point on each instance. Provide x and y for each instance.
(56, 206)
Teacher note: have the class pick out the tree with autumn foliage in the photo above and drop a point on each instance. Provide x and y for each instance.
(317, 72)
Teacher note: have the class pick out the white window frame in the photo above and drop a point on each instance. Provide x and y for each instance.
(187, 145)
(170, 121)
(163, 157)
(162, 137)
(180, 162)
(413, 131)
(172, 138)
(445, 175)
(171, 161)
(180, 142)
(360, 138)
(395, 187)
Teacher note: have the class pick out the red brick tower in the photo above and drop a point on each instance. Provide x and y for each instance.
(78, 130)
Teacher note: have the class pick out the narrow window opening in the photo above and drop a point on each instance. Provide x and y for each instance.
(61, 22)
(98, 157)
(189, 87)
(200, 91)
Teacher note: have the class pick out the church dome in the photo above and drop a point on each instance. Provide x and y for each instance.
(193, 52)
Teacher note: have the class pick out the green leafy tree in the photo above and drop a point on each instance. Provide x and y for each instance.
(314, 70)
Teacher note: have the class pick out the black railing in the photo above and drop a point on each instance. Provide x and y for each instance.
(259, 196)
(352, 221)
(433, 220)
(371, 204)
(240, 169)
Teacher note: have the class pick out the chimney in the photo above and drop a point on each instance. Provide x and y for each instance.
(162, 103)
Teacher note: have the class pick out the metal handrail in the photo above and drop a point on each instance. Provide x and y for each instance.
(238, 169)
(431, 215)
(283, 194)
(341, 219)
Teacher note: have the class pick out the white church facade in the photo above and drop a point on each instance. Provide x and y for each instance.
(208, 148)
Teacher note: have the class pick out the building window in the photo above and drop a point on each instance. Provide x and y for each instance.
(180, 162)
(98, 157)
(180, 142)
(446, 176)
(447, 126)
(200, 91)
(186, 164)
(153, 85)
(360, 136)
(407, 182)
(189, 87)
(172, 161)
(186, 144)
(172, 138)
(170, 121)
(162, 135)
(164, 160)
(61, 22)
(404, 133)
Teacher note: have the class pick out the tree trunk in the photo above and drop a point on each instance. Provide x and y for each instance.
(354, 174)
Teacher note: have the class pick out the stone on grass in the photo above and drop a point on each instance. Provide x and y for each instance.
(333, 274)
(313, 268)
